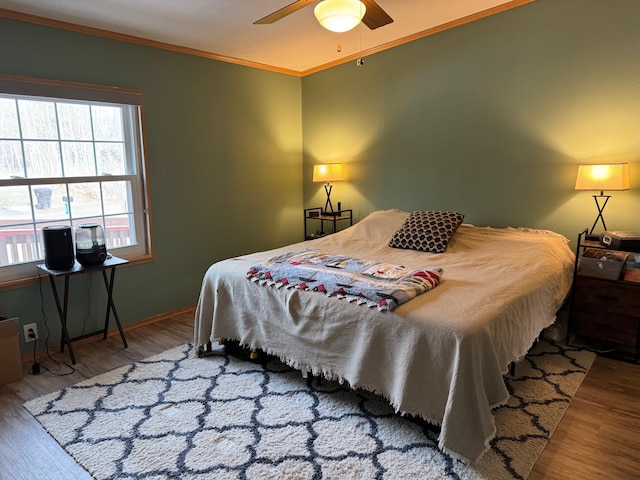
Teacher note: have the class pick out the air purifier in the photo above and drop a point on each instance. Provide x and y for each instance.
(58, 247)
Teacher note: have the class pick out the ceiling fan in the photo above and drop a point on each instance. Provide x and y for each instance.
(374, 15)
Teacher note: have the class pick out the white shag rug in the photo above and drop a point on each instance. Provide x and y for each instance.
(177, 416)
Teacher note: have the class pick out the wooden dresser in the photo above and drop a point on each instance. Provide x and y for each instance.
(604, 309)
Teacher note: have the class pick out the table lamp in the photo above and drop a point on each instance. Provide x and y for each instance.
(331, 172)
(601, 177)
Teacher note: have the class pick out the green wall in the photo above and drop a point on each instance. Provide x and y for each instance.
(224, 147)
(489, 119)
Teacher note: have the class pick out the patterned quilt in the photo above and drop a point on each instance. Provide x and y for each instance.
(381, 285)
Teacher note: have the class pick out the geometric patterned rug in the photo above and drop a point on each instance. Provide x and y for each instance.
(177, 416)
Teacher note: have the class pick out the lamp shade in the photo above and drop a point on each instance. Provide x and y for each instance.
(339, 15)
(603, 176)
(331, 172)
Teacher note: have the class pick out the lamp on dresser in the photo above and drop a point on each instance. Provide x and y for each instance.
(601, 177)
(331, 172)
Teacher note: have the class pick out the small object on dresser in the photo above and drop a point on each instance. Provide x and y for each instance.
(314, 213)
(632, 269)
(602, 263)
(632, 275)
(621, 240)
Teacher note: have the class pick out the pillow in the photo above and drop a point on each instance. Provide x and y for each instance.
(427, 231)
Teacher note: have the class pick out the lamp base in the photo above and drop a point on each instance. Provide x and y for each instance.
(599, 217)
(331, 214)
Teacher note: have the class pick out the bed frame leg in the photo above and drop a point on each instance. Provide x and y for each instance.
(309, 378)
(207, 349)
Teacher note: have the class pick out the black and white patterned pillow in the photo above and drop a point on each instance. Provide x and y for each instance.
(427, 231)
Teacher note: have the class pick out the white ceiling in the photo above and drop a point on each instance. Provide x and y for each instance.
(295, 44)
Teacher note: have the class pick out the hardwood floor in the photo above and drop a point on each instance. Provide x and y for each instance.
(26, 450)
(599, 436)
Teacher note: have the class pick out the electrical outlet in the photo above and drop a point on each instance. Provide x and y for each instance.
(30, 326)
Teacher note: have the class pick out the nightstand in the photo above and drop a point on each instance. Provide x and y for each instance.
(604, 309)
(320, 219)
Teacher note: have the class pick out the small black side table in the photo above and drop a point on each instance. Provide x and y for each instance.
(77, 269)
(317, 214)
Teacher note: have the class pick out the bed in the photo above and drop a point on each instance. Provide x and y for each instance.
(441, 355)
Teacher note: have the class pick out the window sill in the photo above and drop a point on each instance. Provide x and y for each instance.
(37, 276)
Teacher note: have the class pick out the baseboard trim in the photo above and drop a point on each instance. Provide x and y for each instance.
(28, 358)
(150, 320)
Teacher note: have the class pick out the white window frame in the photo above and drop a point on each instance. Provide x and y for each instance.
(18, 274)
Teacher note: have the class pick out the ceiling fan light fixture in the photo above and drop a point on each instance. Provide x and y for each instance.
(339, 15)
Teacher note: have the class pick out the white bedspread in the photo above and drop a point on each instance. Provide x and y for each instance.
(441, 355)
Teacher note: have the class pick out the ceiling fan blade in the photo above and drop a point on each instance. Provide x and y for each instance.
(375, 16)
(284, 11)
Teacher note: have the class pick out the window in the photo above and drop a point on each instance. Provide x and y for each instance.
(69, 154)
